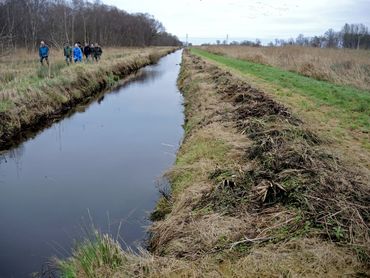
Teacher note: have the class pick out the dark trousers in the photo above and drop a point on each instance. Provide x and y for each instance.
(44, 58)
(68, 59)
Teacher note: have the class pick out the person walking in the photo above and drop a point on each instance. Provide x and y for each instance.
(44, 53)
(77, 54)
(97, 52)
(68, 53)
(92, 50)
(87, 52)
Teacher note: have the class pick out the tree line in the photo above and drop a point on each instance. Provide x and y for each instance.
(355, 36)
(24, 23)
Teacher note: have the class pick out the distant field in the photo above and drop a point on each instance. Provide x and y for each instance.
(340, 66)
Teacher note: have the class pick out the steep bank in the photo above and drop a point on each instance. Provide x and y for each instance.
(253, 193)
(41, 99)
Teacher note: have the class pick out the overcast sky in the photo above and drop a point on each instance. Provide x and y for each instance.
(207, 20)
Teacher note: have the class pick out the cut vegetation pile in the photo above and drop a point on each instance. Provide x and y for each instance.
(41, 94)
(289, 165)
(254, 193)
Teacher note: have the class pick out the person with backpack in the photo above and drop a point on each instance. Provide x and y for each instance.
(87, 52)
(77, 54)
(44, 53)
(68, 53)
(97, 52)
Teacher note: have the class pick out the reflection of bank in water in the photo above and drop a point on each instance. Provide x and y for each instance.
(13, 156)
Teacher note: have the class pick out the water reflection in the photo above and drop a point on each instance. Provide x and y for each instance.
(14, 155)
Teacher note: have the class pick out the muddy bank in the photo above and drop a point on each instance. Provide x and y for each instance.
(46, 102)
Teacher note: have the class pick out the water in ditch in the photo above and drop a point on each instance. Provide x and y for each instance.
(99, 166)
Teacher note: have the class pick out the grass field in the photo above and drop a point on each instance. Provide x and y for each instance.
(340, 66)
(30, 93)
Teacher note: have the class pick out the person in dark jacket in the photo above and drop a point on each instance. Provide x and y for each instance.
(97, 52)
(44, 53)
(68, 53)
(77, 54)
(87, 52)
(92, 49)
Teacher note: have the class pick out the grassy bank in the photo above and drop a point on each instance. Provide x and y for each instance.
(352, 105)
(31, 95)
(254, 193)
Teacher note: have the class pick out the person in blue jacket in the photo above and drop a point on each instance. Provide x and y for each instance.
(44, 53)
(77, 54)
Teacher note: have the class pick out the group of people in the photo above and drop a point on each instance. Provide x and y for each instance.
(91, 52)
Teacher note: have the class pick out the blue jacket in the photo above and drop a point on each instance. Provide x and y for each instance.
(44, 51)
(77, 53)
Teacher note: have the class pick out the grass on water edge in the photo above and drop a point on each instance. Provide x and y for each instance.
(100, 252)
(352, 106)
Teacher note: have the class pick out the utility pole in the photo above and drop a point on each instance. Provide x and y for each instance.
(186, 43)
(227, 39)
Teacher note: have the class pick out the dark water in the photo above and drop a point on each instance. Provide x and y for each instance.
(102, 162)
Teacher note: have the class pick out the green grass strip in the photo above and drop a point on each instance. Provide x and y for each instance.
(352, 104)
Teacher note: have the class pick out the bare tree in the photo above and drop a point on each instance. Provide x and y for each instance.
(355, 36)
(332, 38)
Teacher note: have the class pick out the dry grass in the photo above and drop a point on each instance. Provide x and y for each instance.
(340, 66)
(295, 258)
